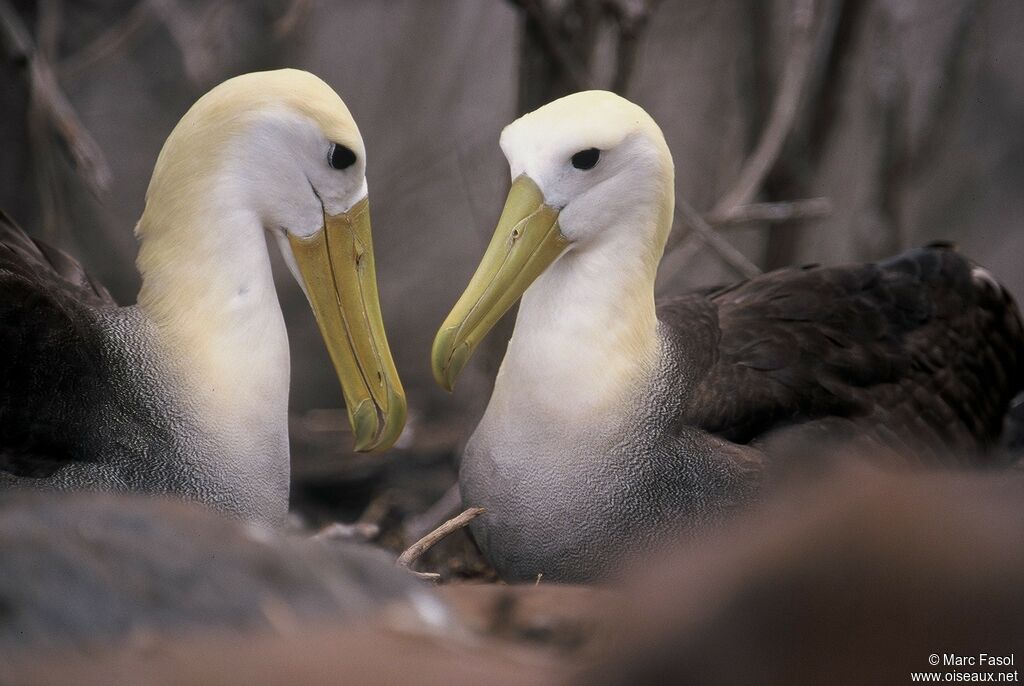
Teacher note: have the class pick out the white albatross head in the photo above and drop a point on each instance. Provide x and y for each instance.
(591, 174)
(278, 153)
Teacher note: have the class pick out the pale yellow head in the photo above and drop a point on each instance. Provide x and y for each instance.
(587, 218)
(271, 153)
(597, 158)
(266, 138)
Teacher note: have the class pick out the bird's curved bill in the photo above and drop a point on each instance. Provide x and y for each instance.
(527, 240)
(338, 270)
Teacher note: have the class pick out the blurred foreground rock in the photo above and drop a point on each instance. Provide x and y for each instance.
(854, 581)
(845, 579)
(83, 571)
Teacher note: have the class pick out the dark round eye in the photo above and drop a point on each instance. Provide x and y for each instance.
(586, 159)
(340, 157)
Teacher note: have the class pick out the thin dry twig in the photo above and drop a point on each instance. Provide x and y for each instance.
(51, 102)
(702, 230)
(681, 248)
(416, 550)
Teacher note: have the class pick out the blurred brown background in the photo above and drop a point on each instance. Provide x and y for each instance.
(905, 116)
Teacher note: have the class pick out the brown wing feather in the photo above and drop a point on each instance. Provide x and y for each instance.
(36, 261)
(916, 345)
(50, 370)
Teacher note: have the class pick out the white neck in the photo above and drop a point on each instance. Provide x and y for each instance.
(208, 288)
(586, 335)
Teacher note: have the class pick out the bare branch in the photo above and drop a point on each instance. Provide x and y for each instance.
(776, 212)
(108, 43)
(86, 152)
(52, 102)
(703, 231)
(780, 122)
(683, 246)
(416, 550)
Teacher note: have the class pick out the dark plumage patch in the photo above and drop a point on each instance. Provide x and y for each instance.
(913, 346)
(50, 366)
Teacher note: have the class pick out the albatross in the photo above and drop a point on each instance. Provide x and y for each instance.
(614, 416)
(186, 392)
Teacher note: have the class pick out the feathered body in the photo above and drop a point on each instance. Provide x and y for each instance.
(920, 355)
(92, 398)
(615, 418)
(186, 393)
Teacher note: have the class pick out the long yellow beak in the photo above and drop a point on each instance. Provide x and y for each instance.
(341, 281)
(525, 243)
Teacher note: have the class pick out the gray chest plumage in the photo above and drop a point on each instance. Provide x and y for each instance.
(571, 516)
(568, 501)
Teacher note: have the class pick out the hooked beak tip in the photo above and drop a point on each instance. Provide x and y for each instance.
(377, 428)
(364, 426)
(444, 378)
(448, 383)
(447, 363)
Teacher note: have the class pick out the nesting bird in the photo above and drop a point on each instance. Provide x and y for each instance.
(186, 393)
(613, 416)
